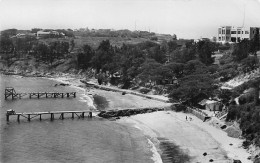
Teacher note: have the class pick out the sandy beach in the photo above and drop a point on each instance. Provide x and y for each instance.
(194, 138)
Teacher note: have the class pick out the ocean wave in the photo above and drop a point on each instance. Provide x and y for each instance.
(156, 156)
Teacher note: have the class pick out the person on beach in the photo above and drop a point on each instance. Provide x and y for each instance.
(186, 118)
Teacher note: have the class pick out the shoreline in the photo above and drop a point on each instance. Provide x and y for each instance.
(155, 155)
(193, 137)
(141, 121)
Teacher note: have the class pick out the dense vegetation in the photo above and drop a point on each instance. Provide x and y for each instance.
(186, 72)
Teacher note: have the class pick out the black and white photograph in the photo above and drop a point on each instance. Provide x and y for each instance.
(129, 81)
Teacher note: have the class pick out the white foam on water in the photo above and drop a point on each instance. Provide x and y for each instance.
(84, 98)
(156, 156)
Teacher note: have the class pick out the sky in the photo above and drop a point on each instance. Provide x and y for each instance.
(190, 19)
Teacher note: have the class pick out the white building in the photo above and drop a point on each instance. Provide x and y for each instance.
(42, 34)
(233, 34)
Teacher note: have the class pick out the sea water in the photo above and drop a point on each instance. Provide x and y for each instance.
(69, 140)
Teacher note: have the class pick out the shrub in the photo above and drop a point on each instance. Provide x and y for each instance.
(145, 90)
(179, 107)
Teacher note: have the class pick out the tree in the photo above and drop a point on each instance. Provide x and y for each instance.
(150, 71)
(103, 56)
(9, 32)
(250, 63)
(255, 42)
(183, 55)
(175, 69)
(194, 67)
(193, 88)
(6, 45)
(42, 52)
(172, 45)
(205, 51)
(241, 50)
(72, 45)
(225, 95)
(132, 57)
(84, 56)
(157, 53)
(256, 85)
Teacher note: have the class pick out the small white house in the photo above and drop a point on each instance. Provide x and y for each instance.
(211, 105)
(42, 34)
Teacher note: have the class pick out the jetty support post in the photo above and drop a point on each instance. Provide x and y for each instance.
(72, 115)
(74, 94)
(82, 115)
(18, 117)
(40, 117)
(7, 117)
(52, 116)
(62, 115)
(29, 117)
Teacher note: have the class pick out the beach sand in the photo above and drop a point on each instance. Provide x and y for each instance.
(118, 101)
(193, 137)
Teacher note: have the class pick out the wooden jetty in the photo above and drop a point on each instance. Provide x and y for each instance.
(31, 115)
(10, 92)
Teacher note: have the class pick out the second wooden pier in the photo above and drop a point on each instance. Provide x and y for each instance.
(31, 115)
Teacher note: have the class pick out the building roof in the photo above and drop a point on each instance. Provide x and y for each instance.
(42, 32)
(206, 101)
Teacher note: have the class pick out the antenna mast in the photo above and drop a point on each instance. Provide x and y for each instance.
(244, 16)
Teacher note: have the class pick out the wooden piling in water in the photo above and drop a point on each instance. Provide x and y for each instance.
(52, 116)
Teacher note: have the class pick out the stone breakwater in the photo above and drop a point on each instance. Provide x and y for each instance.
(128, 112)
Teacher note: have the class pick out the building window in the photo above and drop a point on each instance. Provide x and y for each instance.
(219, 38)
(219, 31)
(223, 31)
(238, 32)
(246, 32)
(228, 31)
(233, 32)
(233, 39)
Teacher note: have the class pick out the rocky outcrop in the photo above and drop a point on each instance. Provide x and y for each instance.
(127, 112)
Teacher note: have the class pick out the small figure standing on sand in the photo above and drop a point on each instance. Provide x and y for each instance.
(186, 118)
(190, 118)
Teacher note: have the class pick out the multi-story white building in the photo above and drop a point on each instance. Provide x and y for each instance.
(233, 34)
